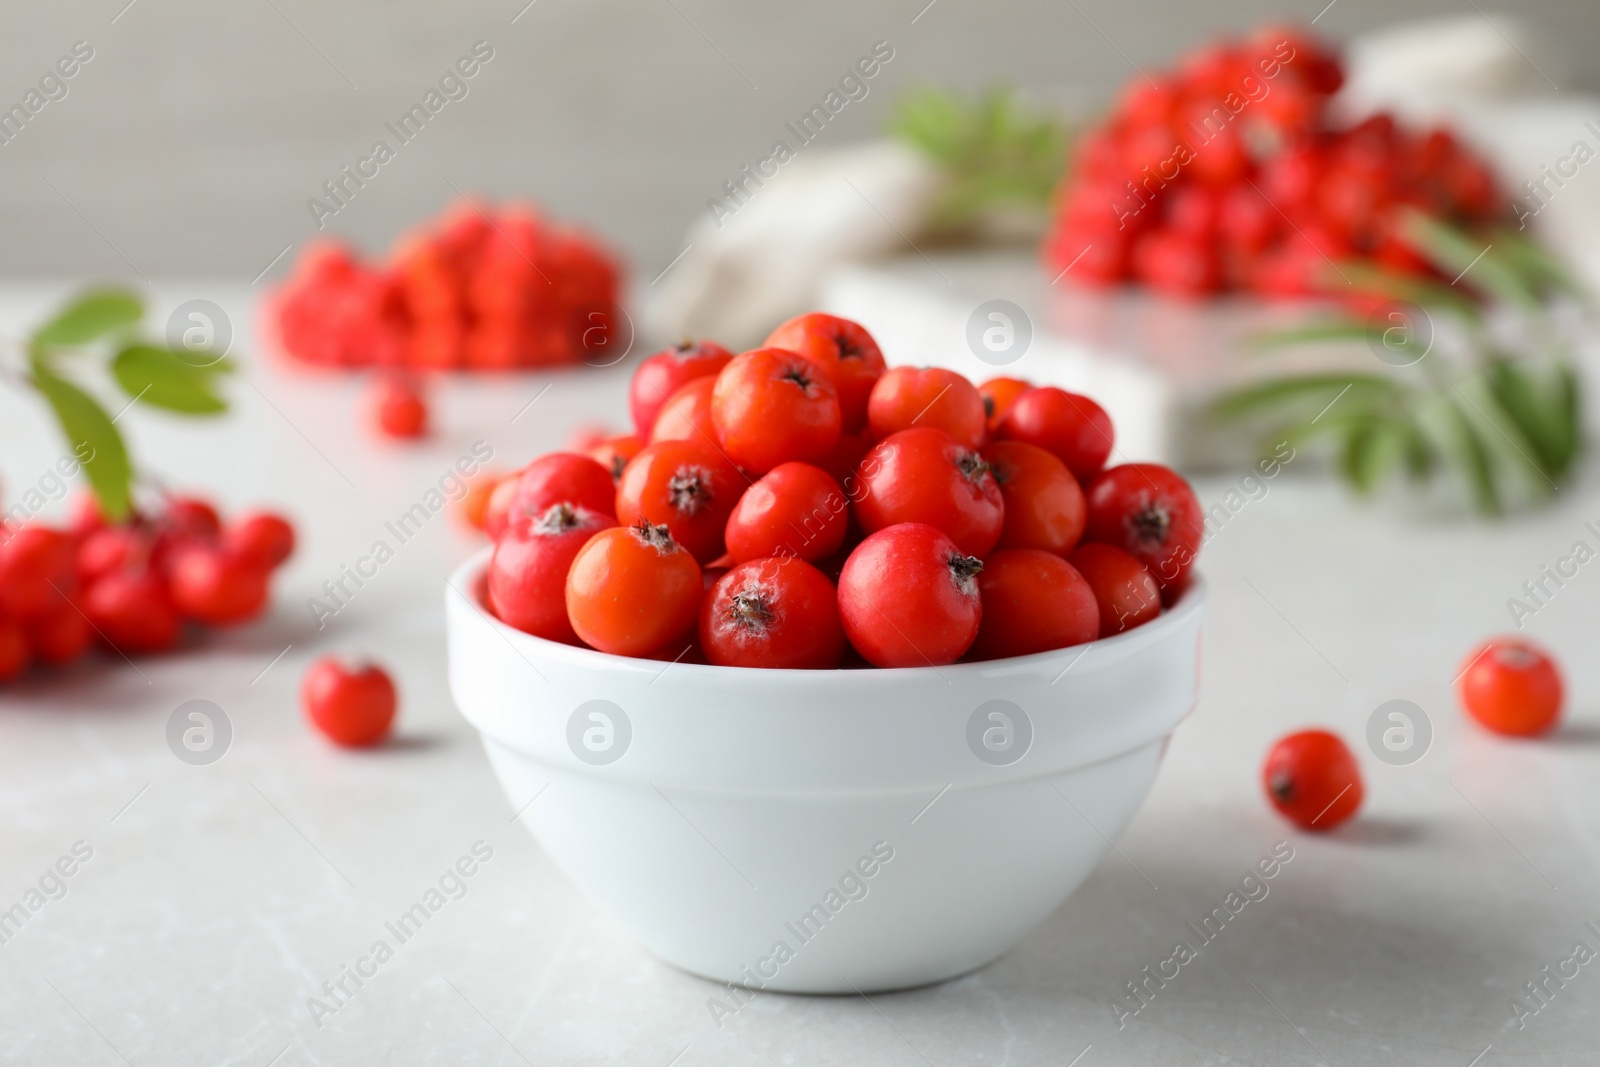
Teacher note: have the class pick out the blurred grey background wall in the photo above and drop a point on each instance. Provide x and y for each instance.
(192, 139)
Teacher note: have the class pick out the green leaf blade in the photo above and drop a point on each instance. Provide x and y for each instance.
(94, 438)
(90, 317)
(160, 378)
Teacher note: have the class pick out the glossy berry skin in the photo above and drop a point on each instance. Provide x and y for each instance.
(353, 706)
(498, 508)
(113, 548)
(795, 509)
(908, 597)
(667, 371)
(632, 591)
(61, 636)
(924, 476)
(1044, 505)
(263, 538)
(14, 653)
(845, 351)
(527, 583)
(216, 588)
(907, 397)
(1033, 601)
(86, 516)
(613, 453)
(686, 414)
(1073, 428)
(1512, 686)
(686, 486)
(998, 395)
(1313, 780)
(399, 407)
(771, 406)
(191, 516)
(774, 613)
(1123, 588)
(133, 612)
(36, 569)
(1150, 512)
(563, 478)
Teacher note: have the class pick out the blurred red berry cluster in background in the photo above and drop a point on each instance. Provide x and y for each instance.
(131, 585)
(480, 288)
(1229, 172)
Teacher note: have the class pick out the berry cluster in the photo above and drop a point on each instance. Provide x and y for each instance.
(1228, 172)
(801, 505)
(132, 584)
(480, 289)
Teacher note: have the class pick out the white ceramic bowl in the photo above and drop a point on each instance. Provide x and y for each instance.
(824, 831)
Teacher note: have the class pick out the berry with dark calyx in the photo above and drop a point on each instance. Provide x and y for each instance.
(771, 406)
(924, 476)
(688, 486)
(528, 572)
(614, 453)
(1150, 512)
(1033, 601)
(632, 590)
(998, 395)
(772, 613)
(845, 351)
(563, 478)
(908, 597)
(1044, 506)
(667, 371)
(1313, 780)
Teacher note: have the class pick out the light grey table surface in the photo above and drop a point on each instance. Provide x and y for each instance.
(219, 898)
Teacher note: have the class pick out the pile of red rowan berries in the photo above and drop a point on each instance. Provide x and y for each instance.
(131, 586)
(1229, 172)
(802, 505)
(480, 288)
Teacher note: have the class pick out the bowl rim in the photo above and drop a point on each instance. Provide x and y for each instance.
(467, 583)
